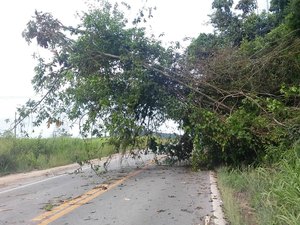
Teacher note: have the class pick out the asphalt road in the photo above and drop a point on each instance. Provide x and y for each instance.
(135, 192)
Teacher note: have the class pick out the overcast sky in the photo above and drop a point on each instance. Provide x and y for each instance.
(177, 19)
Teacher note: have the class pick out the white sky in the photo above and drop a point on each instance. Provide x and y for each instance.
(177, 19)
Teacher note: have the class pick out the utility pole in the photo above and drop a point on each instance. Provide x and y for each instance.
(15, 127)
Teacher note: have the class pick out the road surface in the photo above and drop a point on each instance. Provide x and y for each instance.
(136, 192)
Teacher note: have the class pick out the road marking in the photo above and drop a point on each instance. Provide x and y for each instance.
(30, 184)
(69, 206)
(66, 204)
(83, 168)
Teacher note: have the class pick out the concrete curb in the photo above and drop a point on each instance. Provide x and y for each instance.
(218, 215)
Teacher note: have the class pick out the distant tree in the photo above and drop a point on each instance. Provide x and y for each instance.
(204, 46)
(278, 7)
(7, 134)
(246, 6)
(234, 27)
(225, 21)
(257, 25)
(293, 17)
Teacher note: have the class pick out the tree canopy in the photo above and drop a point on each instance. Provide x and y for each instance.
(235, 92)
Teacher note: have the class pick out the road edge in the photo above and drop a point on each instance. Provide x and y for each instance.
(22, 178)
(218, 214)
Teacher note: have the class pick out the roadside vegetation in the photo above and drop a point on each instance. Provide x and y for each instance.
(235, 93)
(26, 154)
(263, 195)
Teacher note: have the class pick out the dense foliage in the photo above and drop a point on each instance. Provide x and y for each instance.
(235, 92)
(258, 79)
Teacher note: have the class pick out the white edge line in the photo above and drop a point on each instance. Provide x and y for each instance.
(216, 201)
(30, 184)
(86, 167)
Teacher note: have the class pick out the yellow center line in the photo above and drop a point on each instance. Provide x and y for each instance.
(69, 206)
(64, 205)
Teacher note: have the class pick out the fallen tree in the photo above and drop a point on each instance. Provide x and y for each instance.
(236, 98)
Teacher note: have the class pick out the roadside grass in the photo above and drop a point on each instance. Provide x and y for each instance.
(26, 154)
(263, 195)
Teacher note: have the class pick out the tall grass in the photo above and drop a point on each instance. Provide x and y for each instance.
(273, 193)
(19, 155)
